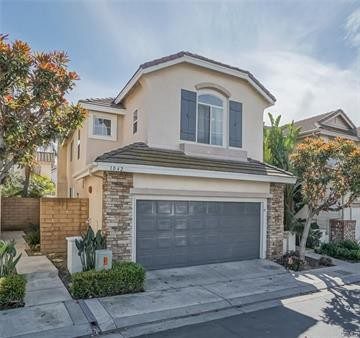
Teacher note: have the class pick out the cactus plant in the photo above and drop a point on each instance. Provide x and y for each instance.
(8, 259)
(87, 245)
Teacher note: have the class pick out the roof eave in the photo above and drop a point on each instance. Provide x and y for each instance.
(202, 63)
(146, 169)
(104, 109)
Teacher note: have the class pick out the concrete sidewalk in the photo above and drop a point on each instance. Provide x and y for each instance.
(173, 297)
(178, 297)
(49, 309)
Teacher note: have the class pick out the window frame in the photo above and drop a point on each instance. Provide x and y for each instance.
(225, 113)
(113, 126)
(135, 123)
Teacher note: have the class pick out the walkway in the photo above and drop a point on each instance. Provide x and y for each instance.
(49, 309)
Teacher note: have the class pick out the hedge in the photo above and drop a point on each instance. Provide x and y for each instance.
(12, 291)
(348, 250)
(125, 277)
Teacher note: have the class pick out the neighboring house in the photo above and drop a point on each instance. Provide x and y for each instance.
(44, 163)
(172, 166)
(328, 126)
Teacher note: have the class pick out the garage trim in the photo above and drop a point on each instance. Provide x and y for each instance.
(263, 214)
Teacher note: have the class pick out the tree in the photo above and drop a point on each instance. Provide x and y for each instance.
(33, 108)
(329, 173)
(279, 143)
(38, 186)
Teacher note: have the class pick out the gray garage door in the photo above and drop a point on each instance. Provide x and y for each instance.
(184, 233)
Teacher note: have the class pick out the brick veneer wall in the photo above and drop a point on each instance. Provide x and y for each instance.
(18, 213)
(275, 221)
(342, 229)
(117, 213)
(61, 218)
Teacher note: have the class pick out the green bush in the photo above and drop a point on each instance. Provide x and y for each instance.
(313, 240)
(8, 259)
(292, 261)
(12, 291)
(348, 250)
(32, 237)
(125, 277)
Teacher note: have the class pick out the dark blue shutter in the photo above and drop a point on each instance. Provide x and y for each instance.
(235, 124)
(188, 116)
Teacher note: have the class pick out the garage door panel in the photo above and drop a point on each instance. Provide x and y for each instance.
(183, 233)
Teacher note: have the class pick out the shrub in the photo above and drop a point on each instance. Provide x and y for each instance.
(325, 261)
(87, 246)
(32, 237)
(292, 261)
(125, 277)
(8, 259)
(12, 291)
(348, 250)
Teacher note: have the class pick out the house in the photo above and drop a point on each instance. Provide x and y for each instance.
(327, 126)
(172, 166)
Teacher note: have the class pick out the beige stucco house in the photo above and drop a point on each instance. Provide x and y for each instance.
(328, 126)
(172, 166)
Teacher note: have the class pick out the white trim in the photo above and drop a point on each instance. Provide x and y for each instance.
(195, 61)
(95, 107)
(145, 169)
(263, 215)
(110, 117)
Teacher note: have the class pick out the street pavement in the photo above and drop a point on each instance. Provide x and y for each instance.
(332, 313)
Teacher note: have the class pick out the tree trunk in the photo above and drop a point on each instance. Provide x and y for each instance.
(25, 191)
(305, 235)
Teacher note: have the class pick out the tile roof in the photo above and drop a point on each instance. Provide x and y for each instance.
(310, 123)
(142, 154)
(104, 102)
(202, 58)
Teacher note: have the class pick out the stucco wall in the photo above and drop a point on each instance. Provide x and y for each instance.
(198, 184)
(163, 97)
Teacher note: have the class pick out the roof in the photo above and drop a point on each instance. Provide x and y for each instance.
(310, 123)
(173, 57)
(318, 123)
(141, 154)
(102, 102)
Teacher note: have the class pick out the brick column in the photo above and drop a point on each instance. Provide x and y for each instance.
(342, 229)
(117, 213)
(275, 221)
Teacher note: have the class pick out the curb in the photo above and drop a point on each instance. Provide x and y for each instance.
(164, 320)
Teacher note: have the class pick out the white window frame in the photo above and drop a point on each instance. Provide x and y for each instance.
(112, 118)
(135, 121)
(224, 120)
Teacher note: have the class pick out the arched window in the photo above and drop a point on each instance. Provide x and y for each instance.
(210, 119)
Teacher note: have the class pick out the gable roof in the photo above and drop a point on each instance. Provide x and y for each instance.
(317, 124)
(199, 60)
(141, 154)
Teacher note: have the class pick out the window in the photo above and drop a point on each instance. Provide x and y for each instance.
(103, 126)
(78, 145)
(135, 121)
(70, 192)
(71, 150)
(210, 120)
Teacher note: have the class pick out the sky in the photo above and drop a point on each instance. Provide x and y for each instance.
(307, 53)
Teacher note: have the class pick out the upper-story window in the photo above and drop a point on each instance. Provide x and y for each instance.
(71, 150)
(102, 126)
(135, 121)
(210, 120)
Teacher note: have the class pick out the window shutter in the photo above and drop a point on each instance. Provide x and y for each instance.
(235, 124)
(188, 116)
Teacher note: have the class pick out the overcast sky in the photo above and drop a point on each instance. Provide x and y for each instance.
(307, 53)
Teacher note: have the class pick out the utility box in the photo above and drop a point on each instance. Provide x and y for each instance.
(73, 258)
(103, 259)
